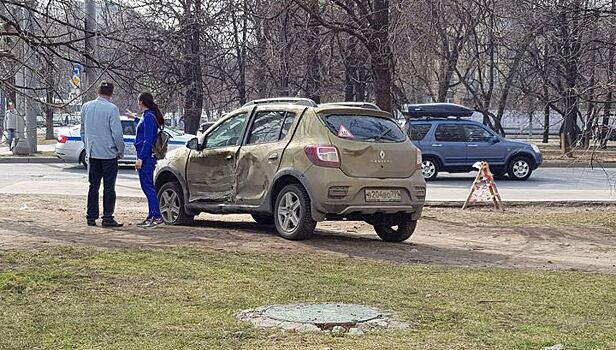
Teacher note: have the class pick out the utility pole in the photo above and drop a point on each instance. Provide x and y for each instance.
(90, 50)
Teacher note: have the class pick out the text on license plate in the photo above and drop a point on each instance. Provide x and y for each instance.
(383, 196)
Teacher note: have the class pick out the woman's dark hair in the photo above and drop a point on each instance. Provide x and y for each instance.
(148, 100)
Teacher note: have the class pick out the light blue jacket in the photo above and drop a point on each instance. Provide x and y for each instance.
(101, 129)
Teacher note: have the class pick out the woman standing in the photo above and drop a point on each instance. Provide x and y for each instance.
(147, 130)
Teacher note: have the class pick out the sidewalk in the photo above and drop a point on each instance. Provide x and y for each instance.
(45, 155)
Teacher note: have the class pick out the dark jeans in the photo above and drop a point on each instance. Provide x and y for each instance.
(107, 171)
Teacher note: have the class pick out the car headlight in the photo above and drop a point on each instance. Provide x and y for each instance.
(535, 148)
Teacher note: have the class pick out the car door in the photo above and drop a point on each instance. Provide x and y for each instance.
(211, 171)
(481, 145)
(259, 158)
(449, 143)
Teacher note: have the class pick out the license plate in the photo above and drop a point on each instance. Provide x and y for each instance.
(383, 196)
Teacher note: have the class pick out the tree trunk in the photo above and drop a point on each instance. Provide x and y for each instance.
(381, 55)
(313, 64)
(350, 70)
(193, 105)
(610, 69)
(546, 123)
(261, 54)
(49, 135)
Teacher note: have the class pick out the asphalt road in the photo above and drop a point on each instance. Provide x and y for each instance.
(546, 184)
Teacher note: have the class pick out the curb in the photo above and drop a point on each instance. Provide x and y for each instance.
(31, 160)
(563, 203)
(580, 164)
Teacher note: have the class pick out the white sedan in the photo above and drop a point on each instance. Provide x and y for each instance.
(71, 149)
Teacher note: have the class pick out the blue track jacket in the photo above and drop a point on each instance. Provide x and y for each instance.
(147, 130)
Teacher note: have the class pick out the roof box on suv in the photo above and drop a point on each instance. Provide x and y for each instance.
(437, 110)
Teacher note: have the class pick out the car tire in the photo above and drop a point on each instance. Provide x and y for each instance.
(520, 168)
(263, 219)
(82, 159)
(293, 204)
(398, 228)
(171, 200)
(429, 169)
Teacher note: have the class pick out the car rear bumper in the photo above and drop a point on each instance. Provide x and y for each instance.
(354, 204)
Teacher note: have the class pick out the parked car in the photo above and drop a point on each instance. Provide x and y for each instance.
(70, 148)
(292, 163)
(455, 144)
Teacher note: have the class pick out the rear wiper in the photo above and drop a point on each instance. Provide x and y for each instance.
(381, 135)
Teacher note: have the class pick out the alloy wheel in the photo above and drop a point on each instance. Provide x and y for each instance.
(289, 212)
(428, 168)
(521, 168)
(170, 205)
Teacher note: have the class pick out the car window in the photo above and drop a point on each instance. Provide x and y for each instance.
(286, 126)
(450, 133)
(418, 132)
(266, 127)
(128, 127)
(364, 128)
(475, 133)
(229, 133)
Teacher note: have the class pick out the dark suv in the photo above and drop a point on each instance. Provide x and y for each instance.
(455, 144)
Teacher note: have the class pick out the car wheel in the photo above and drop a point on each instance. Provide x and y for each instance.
(171, 201)
(82, 159)
(520, 169)
(398, 228)
(263, 219)
(429, 169)
(292, 213)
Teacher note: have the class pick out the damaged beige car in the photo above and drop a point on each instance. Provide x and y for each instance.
(292, 163)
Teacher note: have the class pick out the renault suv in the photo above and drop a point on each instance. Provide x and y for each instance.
(292, 163)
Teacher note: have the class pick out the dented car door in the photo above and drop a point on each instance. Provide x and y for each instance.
(259, 158)
(211, 171)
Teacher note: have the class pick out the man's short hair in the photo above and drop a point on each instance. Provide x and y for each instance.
(106, 89)
(10, 103)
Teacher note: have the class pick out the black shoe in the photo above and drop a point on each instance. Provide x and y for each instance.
(91, 222)
(112, 223)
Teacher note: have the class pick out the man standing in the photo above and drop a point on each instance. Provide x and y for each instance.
(10, 124)
(101, 133)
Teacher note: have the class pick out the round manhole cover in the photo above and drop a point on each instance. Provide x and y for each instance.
(322, 313)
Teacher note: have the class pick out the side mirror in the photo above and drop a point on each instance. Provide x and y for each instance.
(193, 144)
(495, 139)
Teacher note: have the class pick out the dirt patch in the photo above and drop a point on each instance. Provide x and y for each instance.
(449, 236)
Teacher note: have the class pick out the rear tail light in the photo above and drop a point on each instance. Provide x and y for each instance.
(419, 158)
(325, 156)
(62, 138)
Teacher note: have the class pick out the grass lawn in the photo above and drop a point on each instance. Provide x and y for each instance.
(68, 298)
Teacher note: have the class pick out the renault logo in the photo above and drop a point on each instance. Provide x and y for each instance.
(382, 154)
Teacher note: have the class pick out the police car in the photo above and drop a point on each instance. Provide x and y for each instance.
(71, 149)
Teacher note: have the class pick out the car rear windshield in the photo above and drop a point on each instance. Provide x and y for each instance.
(364, 128)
